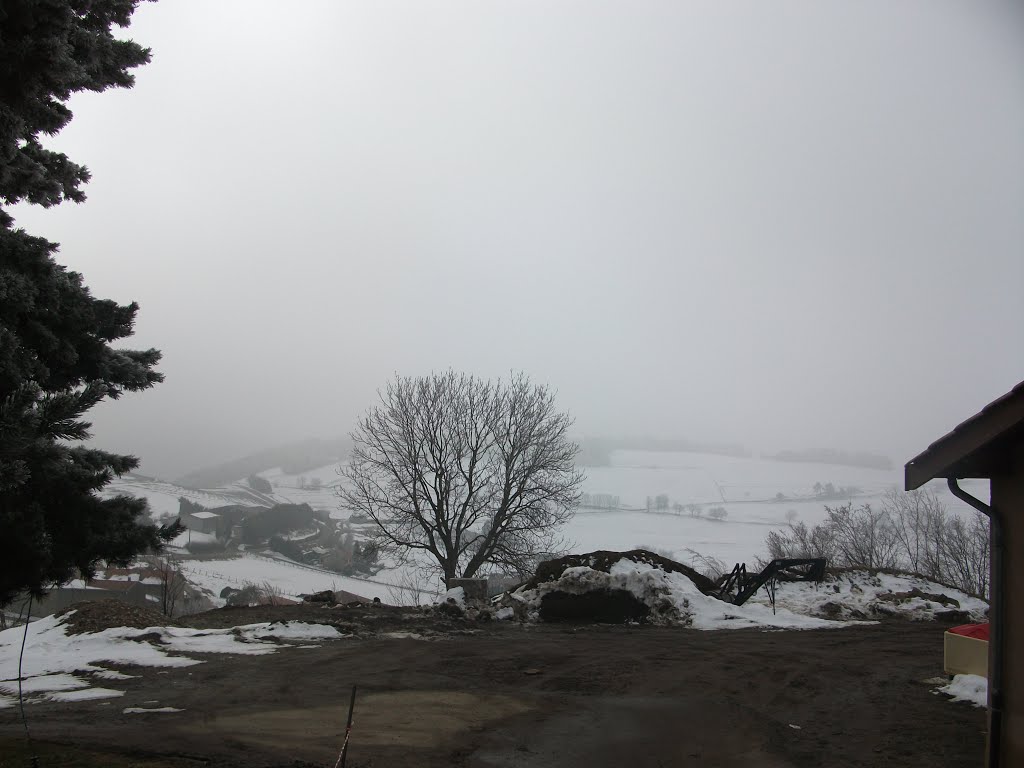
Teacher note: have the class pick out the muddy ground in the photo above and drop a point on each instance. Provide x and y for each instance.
(508, 695)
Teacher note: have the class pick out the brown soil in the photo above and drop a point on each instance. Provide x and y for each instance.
(97, 615)
(522, 696)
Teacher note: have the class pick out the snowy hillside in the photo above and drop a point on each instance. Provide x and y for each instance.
(292, 579)
(752, 497)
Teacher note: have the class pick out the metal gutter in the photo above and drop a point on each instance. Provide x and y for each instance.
(996, 613)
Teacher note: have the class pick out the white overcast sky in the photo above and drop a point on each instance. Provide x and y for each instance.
(788, 224)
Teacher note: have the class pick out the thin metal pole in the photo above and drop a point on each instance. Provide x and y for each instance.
(348, 731)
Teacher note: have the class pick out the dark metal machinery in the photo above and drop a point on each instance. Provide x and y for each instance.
(739, 586)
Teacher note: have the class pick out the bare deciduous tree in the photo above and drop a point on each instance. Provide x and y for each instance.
(172, 584)
(863, 535)
(718, 513)
(472, 473)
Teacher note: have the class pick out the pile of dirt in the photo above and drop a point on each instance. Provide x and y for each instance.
(603, 606)
(596, 587)
(603, 560)
(97, 615)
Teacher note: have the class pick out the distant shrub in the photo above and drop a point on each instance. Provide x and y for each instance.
(285, 547)
(718, 513)
(253, 593)
(910, 531)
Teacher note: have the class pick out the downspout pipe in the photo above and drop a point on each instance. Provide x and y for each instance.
(996, 614)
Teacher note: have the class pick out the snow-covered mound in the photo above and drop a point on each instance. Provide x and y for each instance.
(52, 653)
(647, 592)
(861, 594)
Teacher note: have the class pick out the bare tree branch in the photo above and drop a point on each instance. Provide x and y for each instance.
(476, 474)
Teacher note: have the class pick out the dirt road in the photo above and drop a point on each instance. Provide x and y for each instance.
(538, 696)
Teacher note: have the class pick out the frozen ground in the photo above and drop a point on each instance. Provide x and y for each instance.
(535, 696)
(64, 667)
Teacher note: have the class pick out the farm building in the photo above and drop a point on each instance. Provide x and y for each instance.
(203, 521)
(990, 445)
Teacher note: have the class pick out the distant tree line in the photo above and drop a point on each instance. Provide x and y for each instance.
(832, 456)
(600, 501)
(597, 451)
(830, 491)
(662, 504)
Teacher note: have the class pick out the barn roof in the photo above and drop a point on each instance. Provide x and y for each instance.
(978, 448)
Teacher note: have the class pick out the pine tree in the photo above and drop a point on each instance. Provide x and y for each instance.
(56, 358)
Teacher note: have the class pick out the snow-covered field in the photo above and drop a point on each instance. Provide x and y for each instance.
(746, 488)
(66, 667)
(290, 578)
(163, 497)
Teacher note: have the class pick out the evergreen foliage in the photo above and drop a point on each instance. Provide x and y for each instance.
(56, 358)
(260, 484)
(281, 518)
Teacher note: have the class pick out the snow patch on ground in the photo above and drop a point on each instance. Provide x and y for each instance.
(403, 636)
(110, 674)
(971, 688)
(860, 594)
(456, 594)
(59, 682)
(295, 630)
(52, 655)
(142, 710)
(86, 694)
(672, 598)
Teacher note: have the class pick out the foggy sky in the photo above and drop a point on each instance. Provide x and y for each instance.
(788, 224)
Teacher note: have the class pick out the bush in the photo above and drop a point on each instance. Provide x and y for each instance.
(910, 531)
(718, 513)
(285, 547)
(252, 593)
